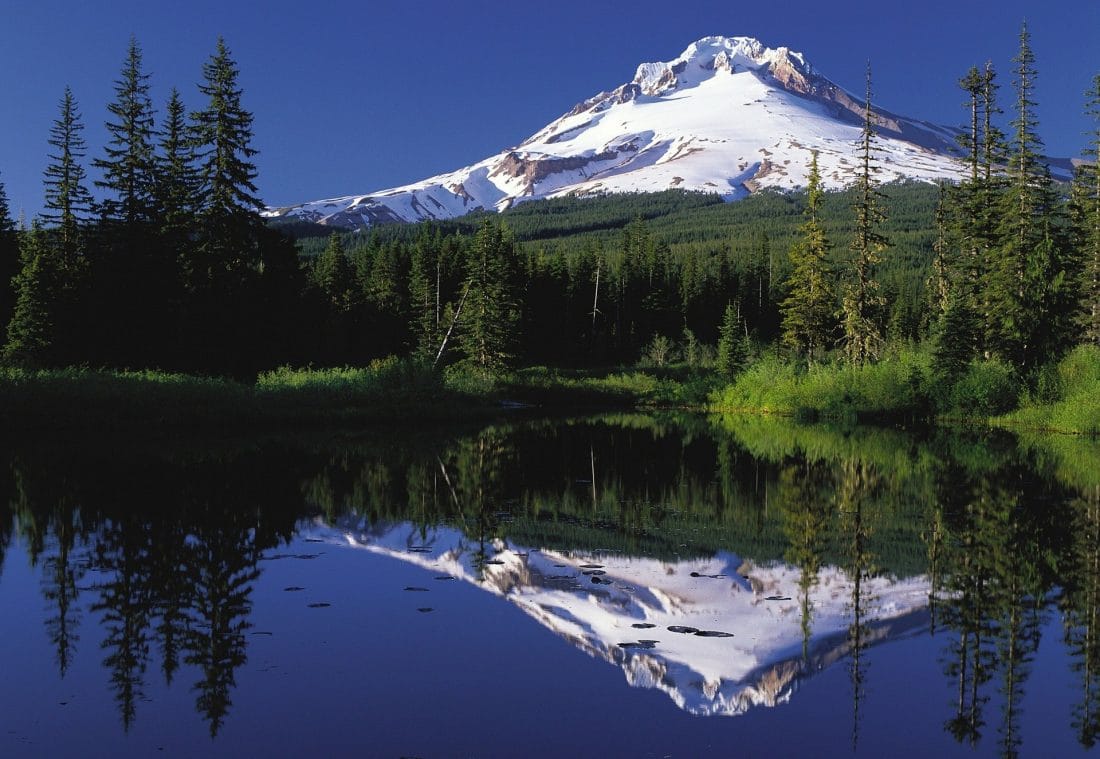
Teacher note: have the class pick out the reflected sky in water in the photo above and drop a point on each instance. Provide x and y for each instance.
(618, 586)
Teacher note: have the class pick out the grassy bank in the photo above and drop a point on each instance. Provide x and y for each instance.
(385, 390)
(903, 386)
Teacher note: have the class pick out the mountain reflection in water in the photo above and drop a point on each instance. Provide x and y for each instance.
(137, 574)
(718, 635)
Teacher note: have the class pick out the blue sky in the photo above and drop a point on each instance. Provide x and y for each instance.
(356, 96)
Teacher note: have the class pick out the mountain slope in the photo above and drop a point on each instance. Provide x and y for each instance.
(728, 116)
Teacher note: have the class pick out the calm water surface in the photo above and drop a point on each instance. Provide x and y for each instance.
(612, 586)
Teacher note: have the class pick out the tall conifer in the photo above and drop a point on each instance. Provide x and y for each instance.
(222, 136)
(1085, 210)
(68, 201)
(862, 299)
(127, 165)
(809, 306)
(1032, 295)
(9, 260)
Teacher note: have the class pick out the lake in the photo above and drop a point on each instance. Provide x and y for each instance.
(619, 585)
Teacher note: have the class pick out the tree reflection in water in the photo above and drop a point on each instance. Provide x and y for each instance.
(164, 547)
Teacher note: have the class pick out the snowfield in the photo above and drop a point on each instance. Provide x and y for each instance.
(728, 116)
(640, 614)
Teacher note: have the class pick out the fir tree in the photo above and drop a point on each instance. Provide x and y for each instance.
(222, 135)
(176, 179)
(31, 333)
(1032, 293)
(491, 315)
(809, 306)
(862, 337)
(128, 164)
(954, 337)
(68, 201)
(333, 274)
(733, 344)
(424, 295)
(1085, 211)
(9, 260)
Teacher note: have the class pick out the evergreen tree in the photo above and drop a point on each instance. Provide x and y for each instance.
(1032, 294)
(128, 164)
(1085, 210)
(491, 315)
(954, 338)
(733, 344)
(31, 333)
(425, 273)
(332, 273)
(68, 201)
(229, 215)
(809, 306)
(862, 337)
(176, 178)
(9, 260)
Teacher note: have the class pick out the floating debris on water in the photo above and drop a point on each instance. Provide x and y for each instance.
(594, 572)
(425, 609)
(416, 589)
(713, 634)
(590, 566)
(319, 605)
(778, 598)
(445, 577)
(683, 629)
(643, 625)
(292, 589)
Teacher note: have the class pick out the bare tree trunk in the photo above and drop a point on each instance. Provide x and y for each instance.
(451, 329)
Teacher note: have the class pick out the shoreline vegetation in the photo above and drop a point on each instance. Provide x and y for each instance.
(900, 389)
(973, 303)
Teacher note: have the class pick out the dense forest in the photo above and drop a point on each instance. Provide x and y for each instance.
(171, 267)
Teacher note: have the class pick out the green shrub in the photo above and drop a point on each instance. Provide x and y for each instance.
(986, 388)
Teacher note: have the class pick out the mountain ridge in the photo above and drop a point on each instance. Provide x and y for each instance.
(728, 116)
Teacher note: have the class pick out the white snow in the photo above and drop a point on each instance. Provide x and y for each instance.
(759, 605)
(715, 120)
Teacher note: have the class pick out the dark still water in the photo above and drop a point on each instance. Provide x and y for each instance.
(616, 586)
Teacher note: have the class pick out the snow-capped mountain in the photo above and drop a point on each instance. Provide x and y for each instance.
(718, 635)
(728, 116)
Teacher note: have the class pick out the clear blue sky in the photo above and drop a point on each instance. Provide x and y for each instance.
(352, 96)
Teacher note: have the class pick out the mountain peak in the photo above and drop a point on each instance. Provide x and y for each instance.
(728, 116)
(712, 55)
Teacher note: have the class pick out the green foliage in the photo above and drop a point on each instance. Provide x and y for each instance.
(128, 168)
(810, 304)
(862, 339)
(897, 386)
(490, 317)
(1068, 400)
(32, 330)
(733, 345)
(1085, 217)
(985, 389)
(68, 201)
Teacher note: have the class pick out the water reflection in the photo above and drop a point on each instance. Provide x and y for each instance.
(791, 548)
(718, 634)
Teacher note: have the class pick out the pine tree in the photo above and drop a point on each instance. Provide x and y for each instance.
(128, 164)
(1085, 211)
(491, 315)
(954, 337)
(424, 295)
(862, 337)
(9, 260)
(733, 344)
(1032, 293)
(221, 136)
(31, 333)
(176, 179)
(333, 274)
(68, 201)
(809, 306)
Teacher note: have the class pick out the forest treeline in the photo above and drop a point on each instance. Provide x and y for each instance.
(173, 268)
